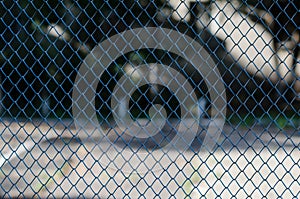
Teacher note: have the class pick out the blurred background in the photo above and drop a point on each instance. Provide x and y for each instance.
(254, 44)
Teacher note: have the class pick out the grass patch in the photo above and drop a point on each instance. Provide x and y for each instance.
(278, 119)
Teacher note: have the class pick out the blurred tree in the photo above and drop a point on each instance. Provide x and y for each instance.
(284, 26)
(43, 42)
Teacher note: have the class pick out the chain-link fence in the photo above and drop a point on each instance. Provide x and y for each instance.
(149, 99)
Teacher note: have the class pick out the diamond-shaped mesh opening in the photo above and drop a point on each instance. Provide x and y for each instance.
(149, 99)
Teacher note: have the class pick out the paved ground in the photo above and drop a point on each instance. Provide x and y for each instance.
(251, 162)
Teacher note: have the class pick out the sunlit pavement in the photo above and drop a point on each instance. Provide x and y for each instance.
(251, 162)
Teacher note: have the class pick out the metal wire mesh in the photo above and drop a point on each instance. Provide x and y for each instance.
(149, 99)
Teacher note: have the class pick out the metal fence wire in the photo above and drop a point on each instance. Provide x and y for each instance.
(149, 99)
